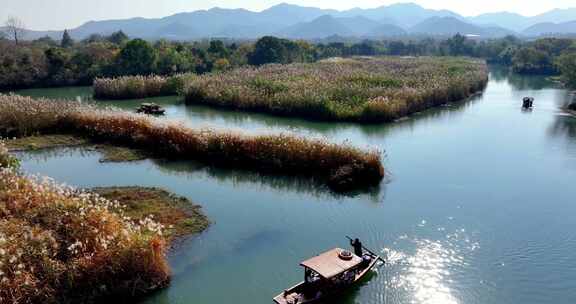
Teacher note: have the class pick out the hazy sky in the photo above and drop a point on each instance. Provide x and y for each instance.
(59, 14)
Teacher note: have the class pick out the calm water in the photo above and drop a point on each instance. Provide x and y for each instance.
(479, 207)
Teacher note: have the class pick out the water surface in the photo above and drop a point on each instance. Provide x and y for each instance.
(479, 206)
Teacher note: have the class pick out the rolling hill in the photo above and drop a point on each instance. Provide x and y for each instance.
(549, 28)
(308, 22)
(447, 26)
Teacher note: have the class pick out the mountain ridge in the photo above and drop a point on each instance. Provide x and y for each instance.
(287, 19)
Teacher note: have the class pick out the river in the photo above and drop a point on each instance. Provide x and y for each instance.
(479, 205)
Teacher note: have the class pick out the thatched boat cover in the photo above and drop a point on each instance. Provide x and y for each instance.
(329, 264)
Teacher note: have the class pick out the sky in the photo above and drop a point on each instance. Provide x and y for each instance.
(61, 14)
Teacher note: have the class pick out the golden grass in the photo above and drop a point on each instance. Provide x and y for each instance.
(132, 87)
(58, 244)
(342, 166)
(376, 89)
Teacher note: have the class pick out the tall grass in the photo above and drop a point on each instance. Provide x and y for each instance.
(342, 166)
(358, 89)
(61, 245)
(132, 87)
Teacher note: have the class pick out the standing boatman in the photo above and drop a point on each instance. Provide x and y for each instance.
(357, 247)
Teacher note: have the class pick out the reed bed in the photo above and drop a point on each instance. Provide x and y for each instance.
(132, 87)
(343, 167)
(61, 245)
(375, 89)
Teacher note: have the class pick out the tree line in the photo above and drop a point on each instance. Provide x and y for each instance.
(47, 62)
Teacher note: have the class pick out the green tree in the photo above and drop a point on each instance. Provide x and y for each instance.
(567, 65)
(67, 41)
(46, 41)
(530, 60)
(459, 46)
(59, 72)
(118, 38)
(507, 55)
(171, 61)
(552, 46)
(94, 38)
(272, 50)
(217, 49)
(138, 57)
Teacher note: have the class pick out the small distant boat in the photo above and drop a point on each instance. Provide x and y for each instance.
(150, 109)
(328, 274)
(528, 102)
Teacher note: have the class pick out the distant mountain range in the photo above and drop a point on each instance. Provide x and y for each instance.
(292, 21)
(549, 28)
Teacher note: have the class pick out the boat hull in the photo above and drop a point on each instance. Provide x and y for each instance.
(296, 294)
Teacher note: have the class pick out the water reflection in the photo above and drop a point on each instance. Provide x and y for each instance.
(564, 126)
(284, 184)
(268, 123)
(518, 82)
(237, 178)
(563, 129)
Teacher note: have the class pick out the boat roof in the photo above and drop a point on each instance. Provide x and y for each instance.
(329, 264)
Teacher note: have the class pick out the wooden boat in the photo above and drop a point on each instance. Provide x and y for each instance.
(150, 109)
(327, 274)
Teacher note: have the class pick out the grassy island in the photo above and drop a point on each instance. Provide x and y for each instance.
(343, 167)
(177, 214)
(361, 89)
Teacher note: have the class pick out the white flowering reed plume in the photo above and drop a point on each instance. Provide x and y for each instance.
(58, 244)
(361, 89)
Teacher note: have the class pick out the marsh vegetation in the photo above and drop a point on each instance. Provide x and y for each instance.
(342, 166)
(59, 244)
(375, 89)
(132, 87)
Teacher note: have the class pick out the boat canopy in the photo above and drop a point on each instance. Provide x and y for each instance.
(329, 264)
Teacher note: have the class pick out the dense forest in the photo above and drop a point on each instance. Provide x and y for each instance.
(46, 62)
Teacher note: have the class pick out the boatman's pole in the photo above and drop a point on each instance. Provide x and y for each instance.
(381, 259)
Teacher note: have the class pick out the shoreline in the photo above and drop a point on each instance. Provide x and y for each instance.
(182, 217)
(382, 95)
(111, 242)
(341, 166)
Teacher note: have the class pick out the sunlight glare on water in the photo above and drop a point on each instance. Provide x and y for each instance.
(425, 274)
